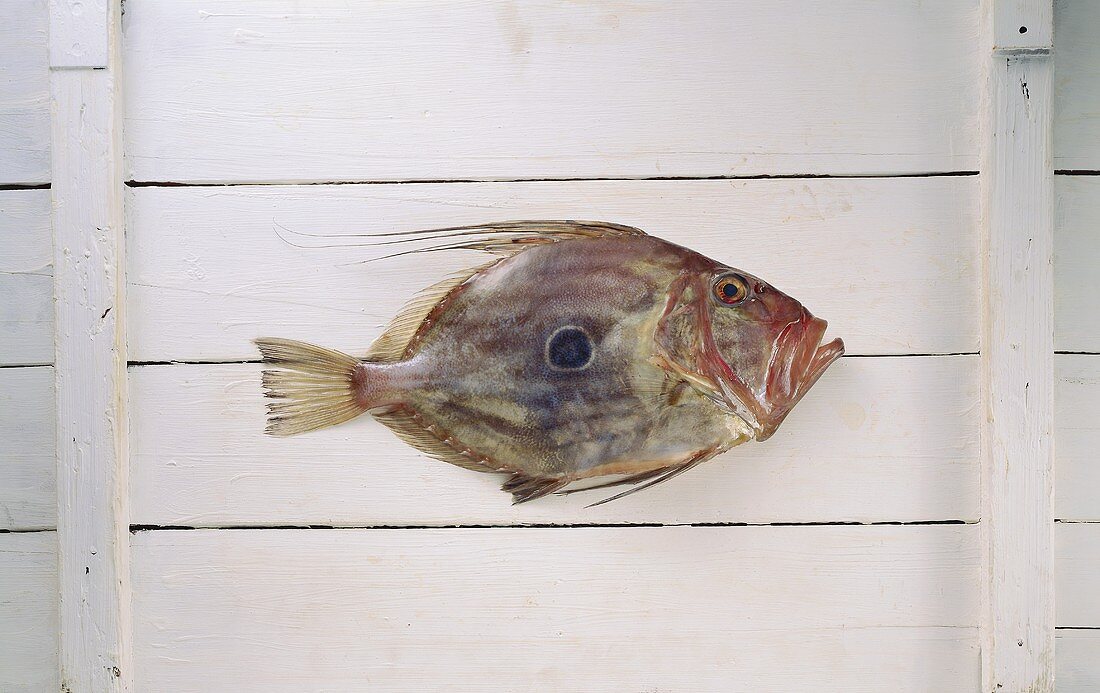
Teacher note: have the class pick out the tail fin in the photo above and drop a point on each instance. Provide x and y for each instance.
(312, 387)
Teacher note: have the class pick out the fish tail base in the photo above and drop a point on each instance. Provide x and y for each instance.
(310, 387)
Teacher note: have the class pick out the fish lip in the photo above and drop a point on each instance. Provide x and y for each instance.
(799, 359)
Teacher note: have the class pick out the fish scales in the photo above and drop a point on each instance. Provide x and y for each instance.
(587, 349)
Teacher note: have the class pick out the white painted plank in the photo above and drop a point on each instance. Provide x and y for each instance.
(26, 287)
(877, 439)
(28, 613)
(1076, 263)
(26, 239)
(78, 33)
(92, 522)
(278, 91)
(1077, 87)
(1018, 374)
(1077, 437)
(600, 609)
(28, 487)
(1022, 26)
(1077, 556)
(1078, 661)
(892, 264)
(24, 94)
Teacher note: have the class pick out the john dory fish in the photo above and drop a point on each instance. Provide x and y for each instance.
(583, 349)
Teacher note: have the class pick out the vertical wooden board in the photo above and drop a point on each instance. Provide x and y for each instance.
(1018, 376)
(28, 613)
(1022, 25)
(28, 487)
(1077, 437)
(1076, 259)
(1077, 85)
(891, 263)
(24, 94)
(1077, 565)
(78, 33)
(275, 91)
(1077, 661)
(613, 609)
(92, 488)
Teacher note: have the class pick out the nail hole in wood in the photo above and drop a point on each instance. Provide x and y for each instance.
(1023, 30)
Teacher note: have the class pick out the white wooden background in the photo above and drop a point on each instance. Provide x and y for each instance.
(845, 554)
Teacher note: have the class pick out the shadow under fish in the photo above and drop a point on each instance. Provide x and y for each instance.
(582, 349)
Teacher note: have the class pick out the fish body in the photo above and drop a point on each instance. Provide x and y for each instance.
(585, 349)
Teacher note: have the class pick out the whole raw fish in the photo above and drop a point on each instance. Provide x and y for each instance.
(583, 349)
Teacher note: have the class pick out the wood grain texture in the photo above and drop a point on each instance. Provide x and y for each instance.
(1077, 437)
(90, 364)
(892, 264)
(1018, 371)
(1077, 87)
(600, 609)
(28, 486)
(28, 613)
(24, 94)
(472, 90)
(26, 270)
(1076, 259)
(1078, 661)
(876, 440)
(1077, 557)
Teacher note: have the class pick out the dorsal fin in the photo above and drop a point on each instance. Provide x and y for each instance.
(505, 238)
(393, 344)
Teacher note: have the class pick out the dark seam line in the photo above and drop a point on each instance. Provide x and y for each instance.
(26, 186)
(1077, 628)
(1078, 353)
(414, 181)
(28, 531)
(246, 361)
(536, 525)
(1061, 521)
(1076, 172)
(24, 365)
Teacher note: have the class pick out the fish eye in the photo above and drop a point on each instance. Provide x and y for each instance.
(731, 289)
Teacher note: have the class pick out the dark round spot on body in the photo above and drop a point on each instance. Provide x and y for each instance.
(569, 349)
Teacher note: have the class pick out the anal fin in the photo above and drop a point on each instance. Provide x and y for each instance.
(422, 435)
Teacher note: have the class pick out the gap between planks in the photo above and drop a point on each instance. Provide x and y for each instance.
(580, 525)
(565, 179)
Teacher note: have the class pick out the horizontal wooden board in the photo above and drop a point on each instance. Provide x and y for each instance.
(878, 439)
(1076, 259)
(1076, 567)
(28, 613)
(277, 91)
(26, 277)
(1077, 661)
(1076, 85)
(597, 609)
(1077, 437)
(28, 487)
(891, 263)
(24, 94)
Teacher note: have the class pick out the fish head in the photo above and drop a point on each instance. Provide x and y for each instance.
(751, 348)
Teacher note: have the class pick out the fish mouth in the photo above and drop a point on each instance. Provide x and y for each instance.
(798, 360)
